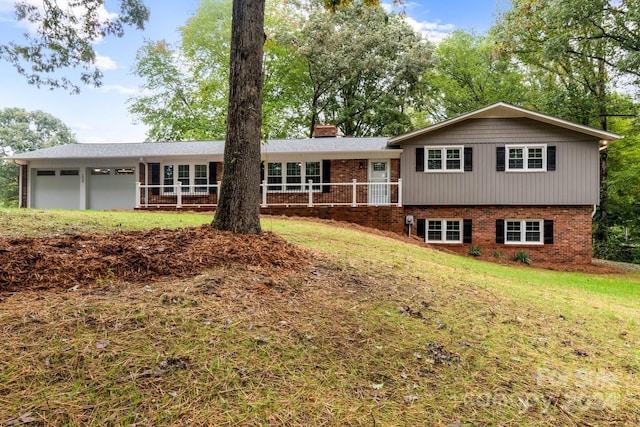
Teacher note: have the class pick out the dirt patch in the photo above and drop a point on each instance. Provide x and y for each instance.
(135, 256)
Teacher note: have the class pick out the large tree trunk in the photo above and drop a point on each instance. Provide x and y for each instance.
(239, 205)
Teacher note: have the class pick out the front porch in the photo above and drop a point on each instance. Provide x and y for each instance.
(312, 194)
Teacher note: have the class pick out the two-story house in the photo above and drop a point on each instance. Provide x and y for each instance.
(502, 178)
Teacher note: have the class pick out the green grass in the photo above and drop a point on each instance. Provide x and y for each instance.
(376, 332)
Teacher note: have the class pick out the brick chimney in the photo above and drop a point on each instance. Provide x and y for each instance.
(325, 131)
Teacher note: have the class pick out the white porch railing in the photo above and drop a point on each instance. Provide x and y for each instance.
(288, 194)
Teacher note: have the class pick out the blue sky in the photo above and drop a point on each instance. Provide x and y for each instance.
(100, 114)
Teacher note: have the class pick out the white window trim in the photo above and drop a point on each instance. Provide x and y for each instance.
(304, 184)
(523, 231)
(443, 149)
(192, 187)
(525, 159)
(443, 223)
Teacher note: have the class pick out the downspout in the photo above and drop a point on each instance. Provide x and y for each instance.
(595, 208)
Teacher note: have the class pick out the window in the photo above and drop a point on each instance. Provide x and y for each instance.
(69, 172)
(523, 231)
(293, 176)
(193, 178)
(444, 230)
(200, 177)
(526, 158)
(125, 171)
(444, 159)
(46, 173)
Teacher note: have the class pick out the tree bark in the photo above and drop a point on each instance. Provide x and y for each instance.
(239, 205)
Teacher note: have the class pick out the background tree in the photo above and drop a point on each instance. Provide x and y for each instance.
(468, 74)
(22, 131)
(568, 40)
(64, 39)
(187, 86)
(364, 68)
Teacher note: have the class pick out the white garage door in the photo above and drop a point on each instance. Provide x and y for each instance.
(56, 189)
(111, 188)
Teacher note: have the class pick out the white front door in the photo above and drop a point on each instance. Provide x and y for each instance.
(379, 182)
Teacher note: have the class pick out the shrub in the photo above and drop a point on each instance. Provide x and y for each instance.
(497, 254)
(475, 250)
(522, 257)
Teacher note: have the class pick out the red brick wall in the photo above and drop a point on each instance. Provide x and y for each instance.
(572, 230)
(387, 218)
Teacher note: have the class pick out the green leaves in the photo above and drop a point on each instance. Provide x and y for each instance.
(64, 39)
(22, 131)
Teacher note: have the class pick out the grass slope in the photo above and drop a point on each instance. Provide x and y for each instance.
(376, 332)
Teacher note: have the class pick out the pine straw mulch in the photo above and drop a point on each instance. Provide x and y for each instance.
(135, 256)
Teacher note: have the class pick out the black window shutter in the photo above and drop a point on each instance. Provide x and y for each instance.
(500, 159)
(468, 159)
(261, 172)
(548, 232)
(213, 172)
(467, 229)
(499, 230)
(326, 175)
(551, 157)
(421, 224)
(154, 169)
(419, 159)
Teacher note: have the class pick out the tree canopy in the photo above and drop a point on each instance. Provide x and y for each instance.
(22, 131)
(65, 33)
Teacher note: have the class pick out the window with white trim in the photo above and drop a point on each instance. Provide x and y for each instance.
(444, 159)
(444, 231)
(528, 232)
(192, 178)
(291, 176)
(526, 158)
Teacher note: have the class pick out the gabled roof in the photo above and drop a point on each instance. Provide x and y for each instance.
(503, 110)
(203, 148)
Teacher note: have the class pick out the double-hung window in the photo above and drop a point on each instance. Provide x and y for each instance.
(526, 157)
(524, 232)
(293, 176)
(193, 178)
(444, 159)
(444, 230)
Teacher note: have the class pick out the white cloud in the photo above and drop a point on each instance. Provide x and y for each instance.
(105, 63)
(123, 90)
(433, 31)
